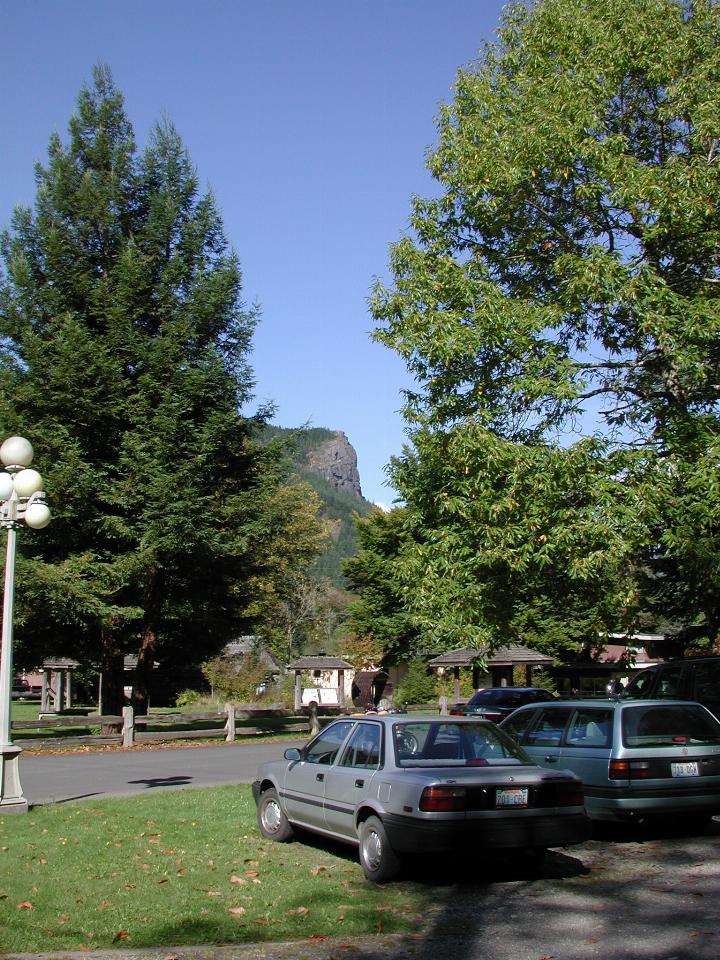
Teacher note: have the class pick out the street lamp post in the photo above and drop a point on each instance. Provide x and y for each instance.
(21, 499)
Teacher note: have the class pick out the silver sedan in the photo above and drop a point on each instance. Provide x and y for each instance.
(404, 784)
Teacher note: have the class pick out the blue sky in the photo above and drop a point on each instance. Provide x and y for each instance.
(309, 120)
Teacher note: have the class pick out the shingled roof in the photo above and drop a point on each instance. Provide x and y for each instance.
(319, 663)
(506, 656)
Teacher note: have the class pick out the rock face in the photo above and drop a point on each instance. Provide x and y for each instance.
(336, 461)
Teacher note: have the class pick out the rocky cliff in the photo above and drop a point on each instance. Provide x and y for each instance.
(335, 460)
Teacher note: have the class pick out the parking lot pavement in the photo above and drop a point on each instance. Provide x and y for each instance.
(630, 894)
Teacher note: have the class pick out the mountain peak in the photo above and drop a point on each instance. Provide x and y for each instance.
(335, 460)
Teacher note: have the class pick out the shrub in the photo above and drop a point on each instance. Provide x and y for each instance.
(187, 698)
(417, 686)
(236, 678)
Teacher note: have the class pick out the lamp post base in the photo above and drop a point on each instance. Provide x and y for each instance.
(11, 795)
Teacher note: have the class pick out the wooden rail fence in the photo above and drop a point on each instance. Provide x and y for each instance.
(129, 729)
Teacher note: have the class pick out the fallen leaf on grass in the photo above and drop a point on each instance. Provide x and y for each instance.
(120, 935)
(297, 912)
(214, 893)
(316, 871)
(163, 880)
(252, 863)
(103, 904)
(130, 886)
(316, 937)
(237, 911)
(263, 921)
(240, 880)
(251, 873)
(25, 905)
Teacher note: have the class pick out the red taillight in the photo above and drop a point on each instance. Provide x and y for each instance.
(442, 799)
(455, 713)
(570, 795)
(629, 770)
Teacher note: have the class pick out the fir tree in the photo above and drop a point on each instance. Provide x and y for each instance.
(125, 346)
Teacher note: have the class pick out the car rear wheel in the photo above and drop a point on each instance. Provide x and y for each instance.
(272, 821)
(379, 861)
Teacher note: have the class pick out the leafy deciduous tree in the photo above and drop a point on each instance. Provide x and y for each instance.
(565, 281)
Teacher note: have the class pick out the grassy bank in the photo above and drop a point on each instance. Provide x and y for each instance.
(176, 868)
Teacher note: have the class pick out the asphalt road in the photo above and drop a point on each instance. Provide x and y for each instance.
(55, 778)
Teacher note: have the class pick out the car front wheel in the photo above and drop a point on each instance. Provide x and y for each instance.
(272, 821)
(379, 861)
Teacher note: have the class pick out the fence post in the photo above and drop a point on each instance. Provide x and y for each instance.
(128, 730)
(314, 721)
(230, 722)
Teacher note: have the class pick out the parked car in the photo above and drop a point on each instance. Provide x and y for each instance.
(495, 703)
(636, 759)
(23, 690)
(396, 785)
(693, 678)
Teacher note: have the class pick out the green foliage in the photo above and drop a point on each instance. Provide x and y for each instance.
(374, 575)
(565, 279)
(188, 698)
(419, 685)
(236, 679)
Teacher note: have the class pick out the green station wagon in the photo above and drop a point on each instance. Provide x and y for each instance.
(636, 759)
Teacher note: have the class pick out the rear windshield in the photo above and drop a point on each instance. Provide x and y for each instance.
(435, 743)
(506, 698)
(668, 725)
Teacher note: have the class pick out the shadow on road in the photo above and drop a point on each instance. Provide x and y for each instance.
(176, 781)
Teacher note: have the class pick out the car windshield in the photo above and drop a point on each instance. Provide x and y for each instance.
(433, 743)
(668, 725)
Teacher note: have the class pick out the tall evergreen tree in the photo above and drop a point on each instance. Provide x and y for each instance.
(125, 348)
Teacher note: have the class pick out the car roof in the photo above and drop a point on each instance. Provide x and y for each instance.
(604, 703)
(390, 718)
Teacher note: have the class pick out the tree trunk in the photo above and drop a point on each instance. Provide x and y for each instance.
(111, 668)
(148, 644)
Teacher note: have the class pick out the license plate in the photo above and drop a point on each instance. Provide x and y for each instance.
(688, 769)
(512, 797)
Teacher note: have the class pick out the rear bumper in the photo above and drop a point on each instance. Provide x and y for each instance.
(408, 835)
(602, 805)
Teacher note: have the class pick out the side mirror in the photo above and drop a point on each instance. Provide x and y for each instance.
(292, 753)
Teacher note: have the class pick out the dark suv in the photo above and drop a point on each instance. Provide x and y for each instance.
(693, 678)
(494, 703)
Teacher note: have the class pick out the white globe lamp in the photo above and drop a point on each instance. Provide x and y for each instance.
(16, 452)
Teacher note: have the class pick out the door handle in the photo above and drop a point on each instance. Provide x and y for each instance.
(359, 783)
(550, 759)
(319, 776)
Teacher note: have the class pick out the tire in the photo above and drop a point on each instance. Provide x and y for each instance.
(379, 861)
(273, 823)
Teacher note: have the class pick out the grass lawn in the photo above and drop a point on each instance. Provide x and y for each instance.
(181, 867)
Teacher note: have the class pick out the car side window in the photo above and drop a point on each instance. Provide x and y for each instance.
(363, 748)
(669, 682)
(589, 728)
(707, 681)
(517, 724)
(324, 748)
(548, 729)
